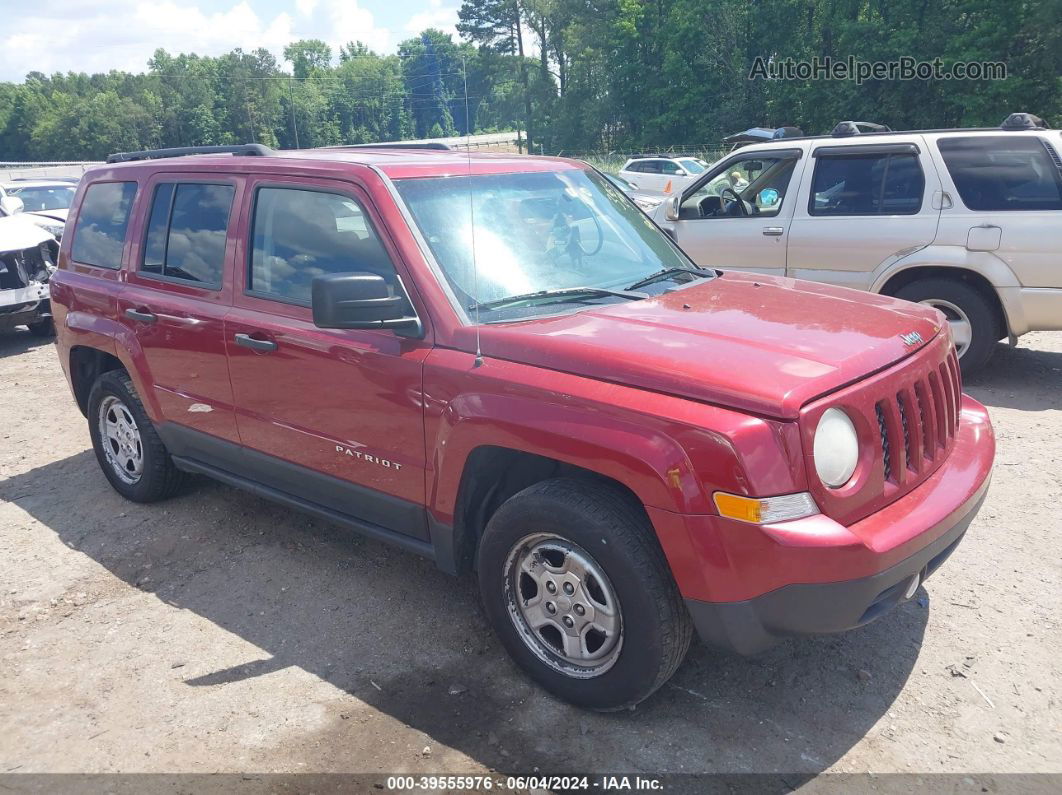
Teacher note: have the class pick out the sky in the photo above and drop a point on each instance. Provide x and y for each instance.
(99, 35)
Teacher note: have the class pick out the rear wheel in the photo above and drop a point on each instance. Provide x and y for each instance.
(578, 590)
(129, 451)
(974, 323)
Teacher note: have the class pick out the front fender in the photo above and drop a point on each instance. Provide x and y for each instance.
(671, 452)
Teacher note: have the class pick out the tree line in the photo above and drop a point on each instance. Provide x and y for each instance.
(574, 75)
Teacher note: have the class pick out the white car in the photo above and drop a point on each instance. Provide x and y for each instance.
(647, 202)
(27, 259)
(662, 175)
(45, 201)
(968, 221)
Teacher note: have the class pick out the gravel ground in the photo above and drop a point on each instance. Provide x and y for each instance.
(217, 632)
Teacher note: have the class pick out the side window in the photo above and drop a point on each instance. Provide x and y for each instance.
(876, 184)
(299, 234)
(99, 234)
(636, 167)
(650, 167)
(667, 167)
(186, 232)
(760, 182)
(1004, 172)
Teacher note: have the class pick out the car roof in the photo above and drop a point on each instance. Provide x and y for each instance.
(395, 162)
(892, 136)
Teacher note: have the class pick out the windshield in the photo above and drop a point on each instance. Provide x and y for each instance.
(37, 199)
(691, 165)
(536, 231)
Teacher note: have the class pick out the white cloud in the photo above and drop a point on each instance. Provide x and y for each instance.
(100, 35)
(437, 16)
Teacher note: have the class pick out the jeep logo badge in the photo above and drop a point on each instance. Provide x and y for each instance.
(914, 338)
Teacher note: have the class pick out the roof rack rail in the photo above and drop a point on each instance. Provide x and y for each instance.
(1023, 121)
(256, 150)
(433, 145)
(846, 128)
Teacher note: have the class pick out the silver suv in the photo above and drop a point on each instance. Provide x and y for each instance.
(966, 220)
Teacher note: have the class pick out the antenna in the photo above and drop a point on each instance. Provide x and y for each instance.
(471, 211)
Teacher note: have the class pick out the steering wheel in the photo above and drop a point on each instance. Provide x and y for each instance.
(742, 209)
(572, 239)
(600, 236)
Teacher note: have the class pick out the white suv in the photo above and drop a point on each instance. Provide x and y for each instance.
(969, 221)
(662, 174)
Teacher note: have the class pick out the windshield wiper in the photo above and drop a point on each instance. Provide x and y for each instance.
(666, 273)
(560, 292)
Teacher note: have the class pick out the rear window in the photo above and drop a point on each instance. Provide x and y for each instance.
(102, 221)
(885, 184)
(187, 231)
(1004, 172)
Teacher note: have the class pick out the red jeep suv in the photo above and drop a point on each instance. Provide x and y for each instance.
(502, 364)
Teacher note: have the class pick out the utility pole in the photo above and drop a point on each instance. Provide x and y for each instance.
(291, 95)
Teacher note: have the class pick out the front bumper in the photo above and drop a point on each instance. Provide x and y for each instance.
(813, 576)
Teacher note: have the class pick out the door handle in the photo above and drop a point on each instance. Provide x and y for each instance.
(141, 315)
(247, 341)
(774, 231)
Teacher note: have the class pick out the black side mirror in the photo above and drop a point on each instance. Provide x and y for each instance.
(360, 300)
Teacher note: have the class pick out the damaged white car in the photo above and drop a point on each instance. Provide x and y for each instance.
(28, 255)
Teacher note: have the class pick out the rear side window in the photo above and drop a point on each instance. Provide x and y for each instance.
(299, 234)
(102, 221)
(1004, 172)
(885, 184)
(186, 232)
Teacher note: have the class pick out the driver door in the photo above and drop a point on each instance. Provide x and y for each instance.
(737, 216)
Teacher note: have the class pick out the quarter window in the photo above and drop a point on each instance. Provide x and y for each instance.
(882, 184)
(1004, 172)
(187, 230)
(300, 234)
(102, 221)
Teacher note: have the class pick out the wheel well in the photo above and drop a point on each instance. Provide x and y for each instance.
(494, 474)
(971, 278)
(86, 365)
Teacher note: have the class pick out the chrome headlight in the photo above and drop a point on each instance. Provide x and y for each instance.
(836, 449)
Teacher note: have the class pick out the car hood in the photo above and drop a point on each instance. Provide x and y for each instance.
(55, 215)
(18, 233)
(755, 343)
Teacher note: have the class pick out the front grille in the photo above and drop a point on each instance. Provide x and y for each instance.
(883, 430)
(925, 433)
(907, 419)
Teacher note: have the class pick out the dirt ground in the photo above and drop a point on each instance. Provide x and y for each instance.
(218, 632)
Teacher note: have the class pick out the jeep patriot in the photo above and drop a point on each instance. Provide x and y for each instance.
(501, 363)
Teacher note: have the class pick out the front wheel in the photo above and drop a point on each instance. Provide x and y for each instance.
(576, 586)
(42, 328)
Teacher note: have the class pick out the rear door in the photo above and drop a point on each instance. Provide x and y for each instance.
(1008, 201)
(860, 208)
(178, 290)
(333, 416)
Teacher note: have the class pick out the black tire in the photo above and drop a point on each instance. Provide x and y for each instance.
(983, 317)
(606, 523)
(42, 328)
(159, 478)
